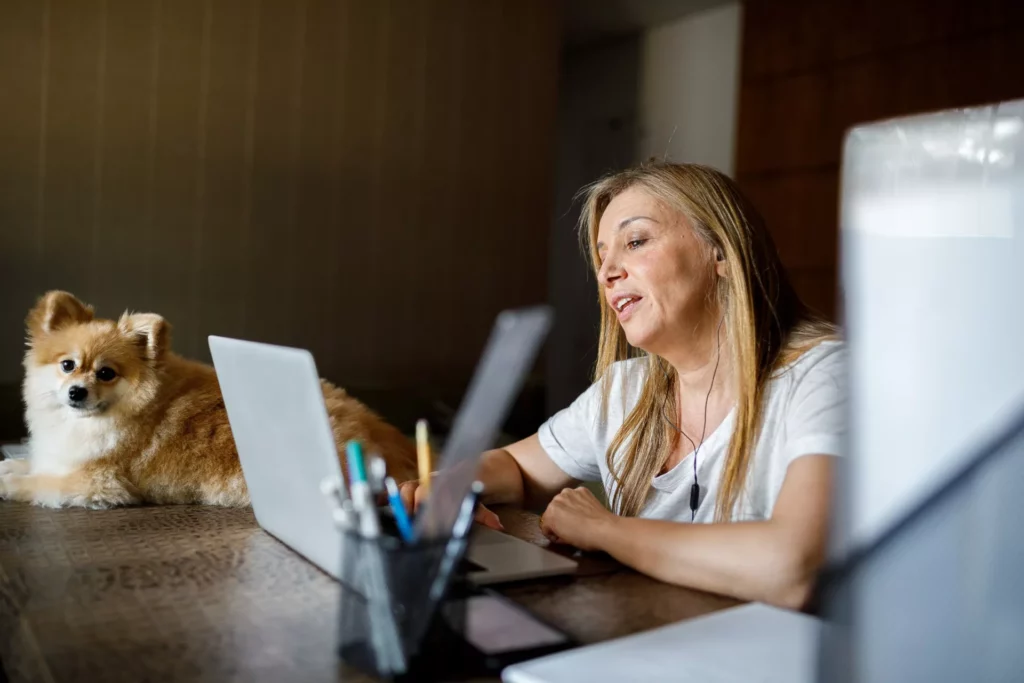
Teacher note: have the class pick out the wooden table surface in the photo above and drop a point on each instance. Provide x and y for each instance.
(182, 593)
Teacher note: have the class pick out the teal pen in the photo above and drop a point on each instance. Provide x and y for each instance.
(398, 507)
(359, 489)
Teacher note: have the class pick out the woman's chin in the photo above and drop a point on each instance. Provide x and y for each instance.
(638, 338)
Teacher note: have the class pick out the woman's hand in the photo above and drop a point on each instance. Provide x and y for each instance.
(412, 496)
(576, 517)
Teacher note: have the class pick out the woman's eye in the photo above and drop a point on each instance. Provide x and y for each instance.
(67, 365)
(633, 244)
(105, 374)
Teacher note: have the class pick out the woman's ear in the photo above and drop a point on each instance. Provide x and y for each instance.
(720, 266)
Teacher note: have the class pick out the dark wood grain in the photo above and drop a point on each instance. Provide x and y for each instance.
(182, 593)
(811, 70)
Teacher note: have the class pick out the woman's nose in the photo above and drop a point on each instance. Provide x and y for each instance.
(610, 271)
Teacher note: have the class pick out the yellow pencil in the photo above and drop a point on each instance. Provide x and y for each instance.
(423, 454)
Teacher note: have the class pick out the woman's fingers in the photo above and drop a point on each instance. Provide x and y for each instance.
(488, 518)
(413, 495)
(407, 492)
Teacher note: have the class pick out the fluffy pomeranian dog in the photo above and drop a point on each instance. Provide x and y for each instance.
(116, 418)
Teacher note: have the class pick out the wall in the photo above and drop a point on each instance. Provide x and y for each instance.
(597, 133)
(811, 69)
(689, 86)
(369, 180)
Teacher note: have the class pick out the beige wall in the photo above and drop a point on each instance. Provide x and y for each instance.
(689, 88)
(369, 180)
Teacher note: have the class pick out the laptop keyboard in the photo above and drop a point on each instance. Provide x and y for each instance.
(466, 566)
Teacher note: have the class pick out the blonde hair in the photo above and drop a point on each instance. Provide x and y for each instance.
(769, 326)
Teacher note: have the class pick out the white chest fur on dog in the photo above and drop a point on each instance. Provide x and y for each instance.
(60, 444)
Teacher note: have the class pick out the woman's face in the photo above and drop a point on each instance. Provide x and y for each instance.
(655, 272)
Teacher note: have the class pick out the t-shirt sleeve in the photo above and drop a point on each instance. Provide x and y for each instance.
(816, 419)
(568, 436)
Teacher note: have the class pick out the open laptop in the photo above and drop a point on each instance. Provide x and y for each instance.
(282, 432)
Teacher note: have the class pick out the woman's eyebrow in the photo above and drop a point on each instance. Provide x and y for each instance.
(626, 221)
(623, 223)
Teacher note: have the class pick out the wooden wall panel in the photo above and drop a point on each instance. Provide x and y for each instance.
(783, 123)
(811, 70)
(370, 180)
(129, 115)
(805, 198)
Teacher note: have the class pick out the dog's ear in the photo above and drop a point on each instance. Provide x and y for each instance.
(54, 310)
(149, 331)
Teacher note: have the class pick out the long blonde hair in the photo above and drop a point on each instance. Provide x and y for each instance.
(768, 325)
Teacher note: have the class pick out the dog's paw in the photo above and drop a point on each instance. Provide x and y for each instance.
(8, 485)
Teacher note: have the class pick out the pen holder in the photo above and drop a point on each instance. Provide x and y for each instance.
(395, 619)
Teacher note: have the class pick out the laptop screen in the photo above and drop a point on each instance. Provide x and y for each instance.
(510, 352)
(939, 596)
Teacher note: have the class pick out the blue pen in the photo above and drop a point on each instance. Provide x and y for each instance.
(398, 507)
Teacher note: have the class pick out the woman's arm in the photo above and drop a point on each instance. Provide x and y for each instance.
(774, 561)
(521, 473)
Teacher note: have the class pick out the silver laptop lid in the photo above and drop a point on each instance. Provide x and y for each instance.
(283, 435)
(513, 345)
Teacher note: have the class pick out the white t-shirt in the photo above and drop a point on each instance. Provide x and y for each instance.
(804, 414)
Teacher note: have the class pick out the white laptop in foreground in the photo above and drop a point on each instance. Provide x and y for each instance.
(751, 643)
(283, 435)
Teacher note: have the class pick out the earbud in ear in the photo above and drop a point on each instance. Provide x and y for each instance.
(719, 256)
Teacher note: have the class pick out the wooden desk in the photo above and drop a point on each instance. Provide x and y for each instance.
(182, 593)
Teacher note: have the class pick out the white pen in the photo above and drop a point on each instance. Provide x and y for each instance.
(378, 472)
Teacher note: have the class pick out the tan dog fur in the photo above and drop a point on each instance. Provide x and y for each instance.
(155, 433)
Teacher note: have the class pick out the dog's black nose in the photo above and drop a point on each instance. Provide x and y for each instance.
(77, 394)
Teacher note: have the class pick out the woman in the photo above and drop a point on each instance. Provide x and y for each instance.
(718, 398)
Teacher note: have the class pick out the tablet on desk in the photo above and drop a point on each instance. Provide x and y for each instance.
(504, 633)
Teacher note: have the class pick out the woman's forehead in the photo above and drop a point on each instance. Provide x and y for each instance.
(632, 205)
(631, 199)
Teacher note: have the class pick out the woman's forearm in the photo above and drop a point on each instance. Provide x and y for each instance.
(747, 560)
(501, 477)
(521, 474)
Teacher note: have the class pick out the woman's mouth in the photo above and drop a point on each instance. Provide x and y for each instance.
(625, 305)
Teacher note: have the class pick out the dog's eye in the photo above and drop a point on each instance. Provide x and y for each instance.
(67, 365)
(105, 374)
